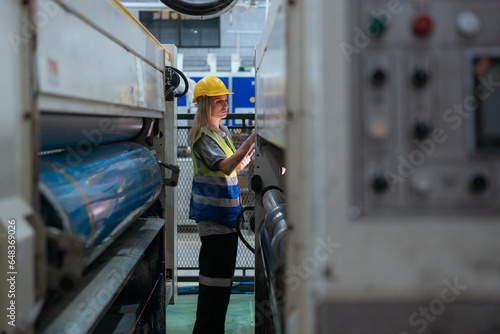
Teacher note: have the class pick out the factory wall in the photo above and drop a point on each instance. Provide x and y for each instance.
(242, 21)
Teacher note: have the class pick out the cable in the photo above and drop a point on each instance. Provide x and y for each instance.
(186, 82)
(238, 218)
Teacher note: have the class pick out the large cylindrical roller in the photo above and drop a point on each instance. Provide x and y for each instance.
(60, 131)
(98, 195)
(275, 223)
(272, 239)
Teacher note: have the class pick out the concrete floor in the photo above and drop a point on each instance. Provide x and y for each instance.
(239, 318)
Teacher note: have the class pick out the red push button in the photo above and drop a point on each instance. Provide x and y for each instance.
(422, 25)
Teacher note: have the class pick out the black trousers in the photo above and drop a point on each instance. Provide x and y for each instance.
(217, 263)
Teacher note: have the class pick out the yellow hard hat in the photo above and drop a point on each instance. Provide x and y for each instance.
(210, 86)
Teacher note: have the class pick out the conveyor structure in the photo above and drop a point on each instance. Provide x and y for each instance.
(87, 203)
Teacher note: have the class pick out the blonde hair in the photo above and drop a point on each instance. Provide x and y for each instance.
(201, 118)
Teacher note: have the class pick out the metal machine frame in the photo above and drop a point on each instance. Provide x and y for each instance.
(424, 270)
(91, 59)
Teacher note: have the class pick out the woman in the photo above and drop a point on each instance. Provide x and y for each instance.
(215, 201)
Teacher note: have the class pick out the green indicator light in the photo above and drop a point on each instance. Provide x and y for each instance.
(376, 26)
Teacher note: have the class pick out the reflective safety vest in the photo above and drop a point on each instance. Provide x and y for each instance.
(215, 195)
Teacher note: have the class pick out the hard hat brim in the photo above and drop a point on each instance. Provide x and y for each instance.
(194, 100)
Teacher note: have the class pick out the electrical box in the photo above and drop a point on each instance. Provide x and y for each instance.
(384, 116)
(425, 122)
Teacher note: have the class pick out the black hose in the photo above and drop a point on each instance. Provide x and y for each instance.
(186, 83)
(238, 218)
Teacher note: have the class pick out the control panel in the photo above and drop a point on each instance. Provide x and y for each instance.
(425, 116)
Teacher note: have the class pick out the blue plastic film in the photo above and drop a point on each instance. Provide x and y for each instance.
(97, 192)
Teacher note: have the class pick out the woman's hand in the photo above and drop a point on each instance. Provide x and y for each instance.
(245, 161)
(233, 163)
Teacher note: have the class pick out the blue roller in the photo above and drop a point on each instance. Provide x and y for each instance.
(96, 193)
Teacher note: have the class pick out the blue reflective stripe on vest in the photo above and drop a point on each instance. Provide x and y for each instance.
(224, 216)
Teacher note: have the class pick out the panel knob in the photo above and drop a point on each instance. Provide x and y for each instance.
(478, 183)
(378, 128)
(468, 24)
(419, 78)
(376, 26)
(422, 182)
(379, 183)
(421, 130)
(422, 25)
(378, 77)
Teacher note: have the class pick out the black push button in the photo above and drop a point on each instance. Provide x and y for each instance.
(379, 184)
(478, 183)
(421, 130)
(378, 77)
(419, 78)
